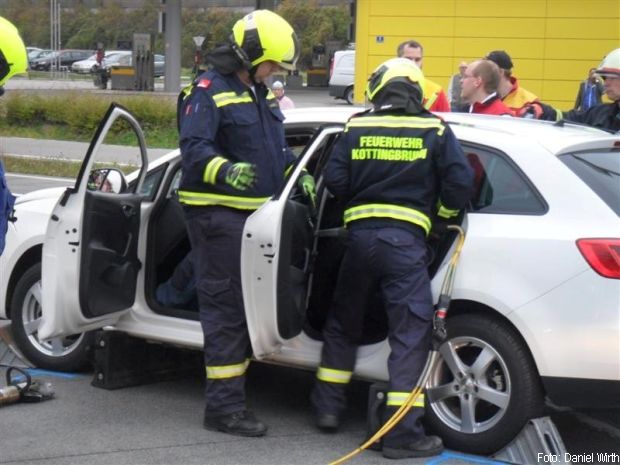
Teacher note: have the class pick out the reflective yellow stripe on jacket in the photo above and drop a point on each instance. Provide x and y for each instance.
(331, 375)
(395, 212)
(446, 213)
(390, 121)
(205, 198)
(226, 98)
(227, 371)
(210, 174)
(396, 399)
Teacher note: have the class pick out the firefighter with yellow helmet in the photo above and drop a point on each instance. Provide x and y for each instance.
(13, 60)
(398, 167)
(13, 56)
(234, 157)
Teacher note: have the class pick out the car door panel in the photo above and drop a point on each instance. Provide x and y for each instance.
(276, 260)
(89, 263)
(293, 266)
(109, 257)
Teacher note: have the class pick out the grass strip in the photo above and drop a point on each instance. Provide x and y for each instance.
(54, 166)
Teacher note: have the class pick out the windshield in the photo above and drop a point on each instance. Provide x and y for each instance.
(601, 172)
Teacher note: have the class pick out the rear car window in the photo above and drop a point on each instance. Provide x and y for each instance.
(500, 186)
(600, 171)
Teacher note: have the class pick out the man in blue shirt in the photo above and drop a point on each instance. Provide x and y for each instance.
(590, 92)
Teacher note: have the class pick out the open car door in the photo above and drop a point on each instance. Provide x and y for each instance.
(276, 257)
(90, 262)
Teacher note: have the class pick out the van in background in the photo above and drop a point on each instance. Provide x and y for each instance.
(342, 75)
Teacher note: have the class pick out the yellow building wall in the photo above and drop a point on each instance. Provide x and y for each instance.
(552, 43)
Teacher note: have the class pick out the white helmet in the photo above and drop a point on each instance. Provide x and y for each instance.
(610, 66)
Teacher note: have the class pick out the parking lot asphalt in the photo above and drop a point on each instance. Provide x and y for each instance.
(161, 423)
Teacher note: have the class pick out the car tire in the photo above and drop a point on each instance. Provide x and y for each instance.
(348, 95)
(70, 353)
(492, 376)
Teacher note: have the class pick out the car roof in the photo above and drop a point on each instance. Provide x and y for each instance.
(497, 131)
(555, 137)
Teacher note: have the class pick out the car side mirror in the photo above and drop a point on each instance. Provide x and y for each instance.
(109, 180)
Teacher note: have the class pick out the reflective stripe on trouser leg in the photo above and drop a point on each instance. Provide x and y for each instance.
(227, 371)
(330, 375)
(396, 399)
(402, 258)
(343, 328)
(215, 236)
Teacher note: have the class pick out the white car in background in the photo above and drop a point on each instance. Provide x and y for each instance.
(90, 64)
(536, 300)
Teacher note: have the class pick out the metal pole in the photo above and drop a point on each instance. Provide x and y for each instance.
(51, 24)
(59, 42)
(173, 46)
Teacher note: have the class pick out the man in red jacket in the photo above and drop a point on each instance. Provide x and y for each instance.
(479, 89)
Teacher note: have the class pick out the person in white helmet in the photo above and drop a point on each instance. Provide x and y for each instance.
(278, 90)
(604, 115)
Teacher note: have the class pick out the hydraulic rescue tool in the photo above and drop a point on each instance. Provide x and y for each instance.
(20, 387)
(439, 336)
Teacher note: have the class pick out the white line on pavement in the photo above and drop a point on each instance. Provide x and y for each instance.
(45, 178)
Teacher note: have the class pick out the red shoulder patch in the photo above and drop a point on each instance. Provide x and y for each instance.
(204, 83)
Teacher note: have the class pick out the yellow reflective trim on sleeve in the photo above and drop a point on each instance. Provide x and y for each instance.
(390, 121)
(210, 174)
(395, 212)
(227, 371)
(396, 399)
(447, 213)
(331, 375)
(227, 98)
(206, 198)
(187, 90)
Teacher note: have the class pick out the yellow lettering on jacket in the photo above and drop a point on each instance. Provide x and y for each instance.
(388, 154)
(392, 142)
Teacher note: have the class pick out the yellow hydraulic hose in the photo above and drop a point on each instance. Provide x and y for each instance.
(440, 316)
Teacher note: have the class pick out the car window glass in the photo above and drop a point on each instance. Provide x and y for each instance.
(174, 184)
(601, 172)
(151, 182)
(120, 149)
(500, 187)
(297, 140)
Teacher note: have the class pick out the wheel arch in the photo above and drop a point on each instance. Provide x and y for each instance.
(32, 256)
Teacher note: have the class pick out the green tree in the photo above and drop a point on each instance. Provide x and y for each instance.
(84, 27)
(315, 25)
(214, 25)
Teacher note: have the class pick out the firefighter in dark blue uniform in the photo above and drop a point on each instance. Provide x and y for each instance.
(398, 166)
(13, 60)
(234, 158)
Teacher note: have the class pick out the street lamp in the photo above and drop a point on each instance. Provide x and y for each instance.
(198, 40)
